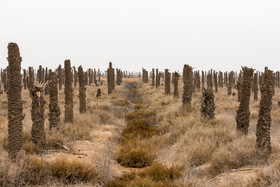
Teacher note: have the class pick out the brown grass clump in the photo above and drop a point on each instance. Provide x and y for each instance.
(140, 107)
(139, 114)
(35, 171)
(71, 172)
(134, 156)
(155, 175)
(138, 129)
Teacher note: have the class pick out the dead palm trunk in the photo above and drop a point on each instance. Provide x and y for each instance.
(15, 107)
(167, 82)
(243, 112)
(153, 77)
(68, 92)
(54, 111)
(82, 90)
(110, 78)
(188, 88)
(207, 104)
(256, 87)
(176, 79)
(38, 118)
(264, 121)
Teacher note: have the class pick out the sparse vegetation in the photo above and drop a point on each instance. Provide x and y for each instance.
(139, 134)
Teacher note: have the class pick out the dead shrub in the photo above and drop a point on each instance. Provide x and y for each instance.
(159, 172)
(122, 181)
(155, 175)
(138, 129)
(134, 156)
(34, 171)
(72, 172)
(139, 114)
(140, 107)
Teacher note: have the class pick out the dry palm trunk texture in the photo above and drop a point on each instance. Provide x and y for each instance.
(15, 107)
(31, 77)
(110, 78)
(38, 119)
(24, 79)
(54, 111)
(75, 77)
(202, 79)
(264, 121)
(176, 79)
(209, 77)
(46, 79)
(40, 74)
(68, 92)
(207, 104)
(118, 76)
(82, 90)
(255, 87)
(226, 79)
(157, 78)
(86, 78)
(60, 76)
(188, 88)
(243, 113)
(167, 82)
(94, 76)
(99, 75)
(216, 81)
(198, 80)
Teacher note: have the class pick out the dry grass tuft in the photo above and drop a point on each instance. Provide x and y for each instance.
(138, 129)
(140, 107)
(34, 171)
(73, 171)
(140, 114)
(155, 175)
(134, 156)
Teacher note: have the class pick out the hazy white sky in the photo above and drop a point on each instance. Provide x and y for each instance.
(218, 34)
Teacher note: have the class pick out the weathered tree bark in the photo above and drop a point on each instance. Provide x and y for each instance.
(68, 92)
(40, 74)
(157, 79)
(208, 104)
(153, 77)
(110, 78)
(86, 78)
(264, 121)
(176, 79)
(31, 77)
(15, 107)
(38, 119)
(216, 81)
(60, 77)
(243, 113)
(54, 111)
(46, 79)
(202, 80)
(255, 87)
(82, 90)
(24, 79)
(187, 93)
(167, 82)
(75, 76)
